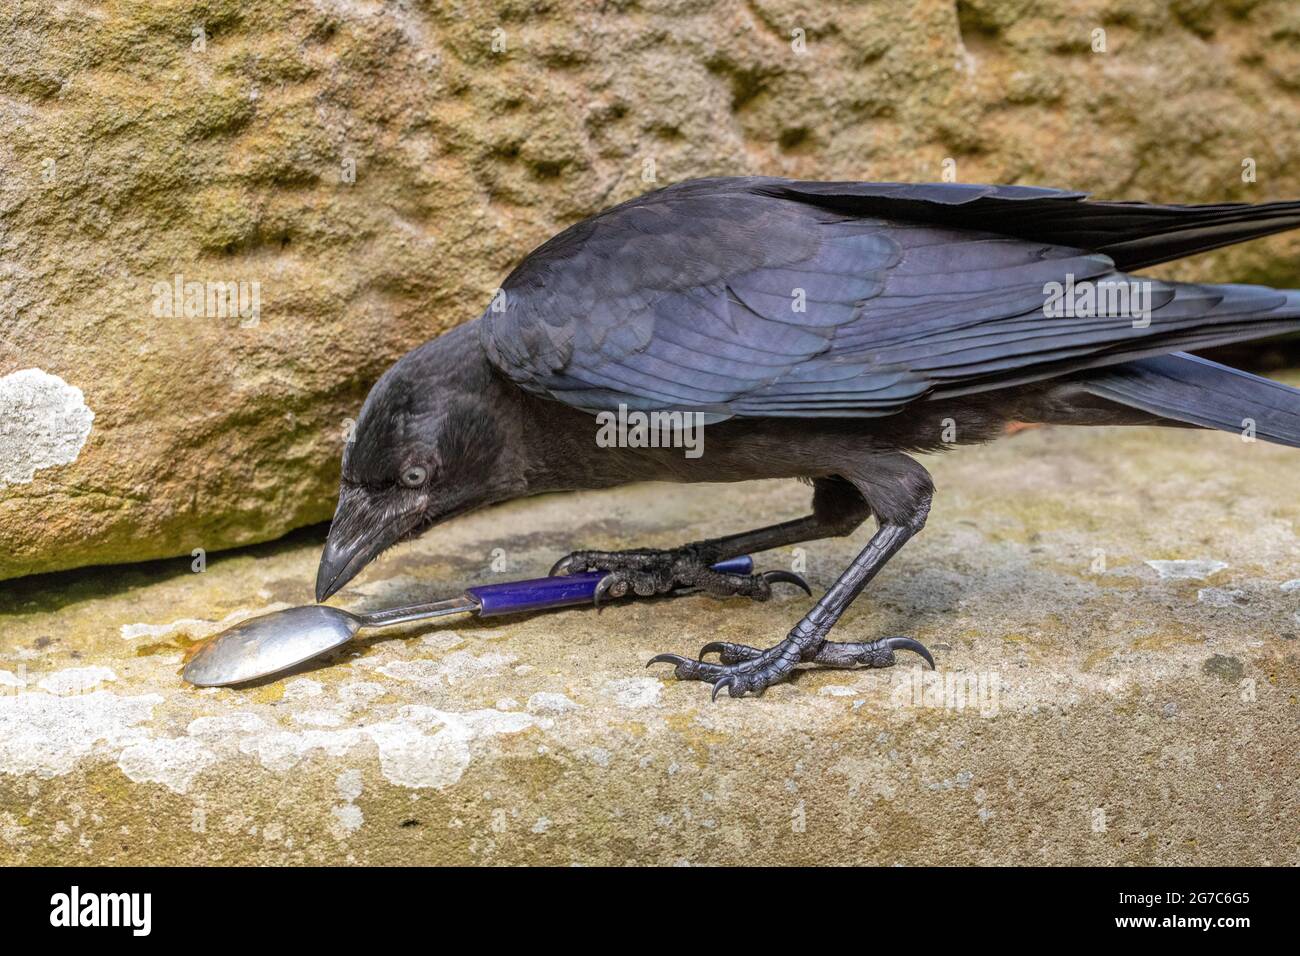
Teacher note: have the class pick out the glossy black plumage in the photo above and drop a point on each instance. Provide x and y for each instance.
(688, 297)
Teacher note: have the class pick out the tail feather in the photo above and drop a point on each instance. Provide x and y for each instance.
(1190, 389)
(1186, 316)
(1137, 235)
(1134, 234)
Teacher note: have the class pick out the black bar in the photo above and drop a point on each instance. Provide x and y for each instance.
(944, 906)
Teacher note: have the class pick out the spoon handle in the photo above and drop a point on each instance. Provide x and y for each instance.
(563, 590)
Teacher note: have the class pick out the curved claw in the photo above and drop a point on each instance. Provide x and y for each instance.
(675, 659)
(607, 587)
(723, 682)
(562, 566)
(787, 577)
(906, 643)
(712, 646)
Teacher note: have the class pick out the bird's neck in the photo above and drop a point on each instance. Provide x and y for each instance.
(561, 451)
(545, 445)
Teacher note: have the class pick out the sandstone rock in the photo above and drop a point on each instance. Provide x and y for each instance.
(343, 180)
(1085, 711)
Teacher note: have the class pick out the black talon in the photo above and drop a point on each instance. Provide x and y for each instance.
(747, 670)
(674, 659)
(605, 587)
(906, 643)
(788, 577)
(559, 566)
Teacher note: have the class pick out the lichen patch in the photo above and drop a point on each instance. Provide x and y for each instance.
(44, 422)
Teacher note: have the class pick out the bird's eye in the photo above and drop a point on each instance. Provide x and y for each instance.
(414, 476)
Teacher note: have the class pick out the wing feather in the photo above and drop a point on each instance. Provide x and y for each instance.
(768, 297)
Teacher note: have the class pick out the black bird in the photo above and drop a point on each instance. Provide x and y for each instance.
(824, 331)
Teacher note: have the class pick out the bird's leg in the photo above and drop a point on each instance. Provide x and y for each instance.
(838, 508)
(743, 669)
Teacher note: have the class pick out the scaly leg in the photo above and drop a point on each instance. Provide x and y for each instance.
(900, 497)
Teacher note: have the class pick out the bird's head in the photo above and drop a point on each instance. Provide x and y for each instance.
(429, 444)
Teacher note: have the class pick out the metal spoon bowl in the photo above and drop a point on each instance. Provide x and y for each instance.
(281, 641)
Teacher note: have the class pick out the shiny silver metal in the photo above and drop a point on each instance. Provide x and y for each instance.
(276, 642)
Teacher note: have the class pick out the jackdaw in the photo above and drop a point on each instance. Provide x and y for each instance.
(823, 331)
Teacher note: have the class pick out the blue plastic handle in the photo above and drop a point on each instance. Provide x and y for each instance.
(563, 591)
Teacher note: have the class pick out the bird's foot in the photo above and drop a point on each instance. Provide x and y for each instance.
(743, 669)
(649, 571)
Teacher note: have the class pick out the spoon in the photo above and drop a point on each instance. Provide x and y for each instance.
(282, 640)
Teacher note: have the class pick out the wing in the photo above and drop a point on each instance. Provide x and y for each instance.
(765, 297)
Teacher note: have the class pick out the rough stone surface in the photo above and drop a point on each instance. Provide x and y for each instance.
(1088, 709)
(376, 168)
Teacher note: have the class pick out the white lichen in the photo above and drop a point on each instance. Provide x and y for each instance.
(44, 422)
(303, 688)
(1186, 570)
(546, 703)
(74, 680)
(172, 761)
(193, 627)
(634, 692)
(46, 735)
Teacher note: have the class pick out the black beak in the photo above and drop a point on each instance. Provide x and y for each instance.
(362, 527)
